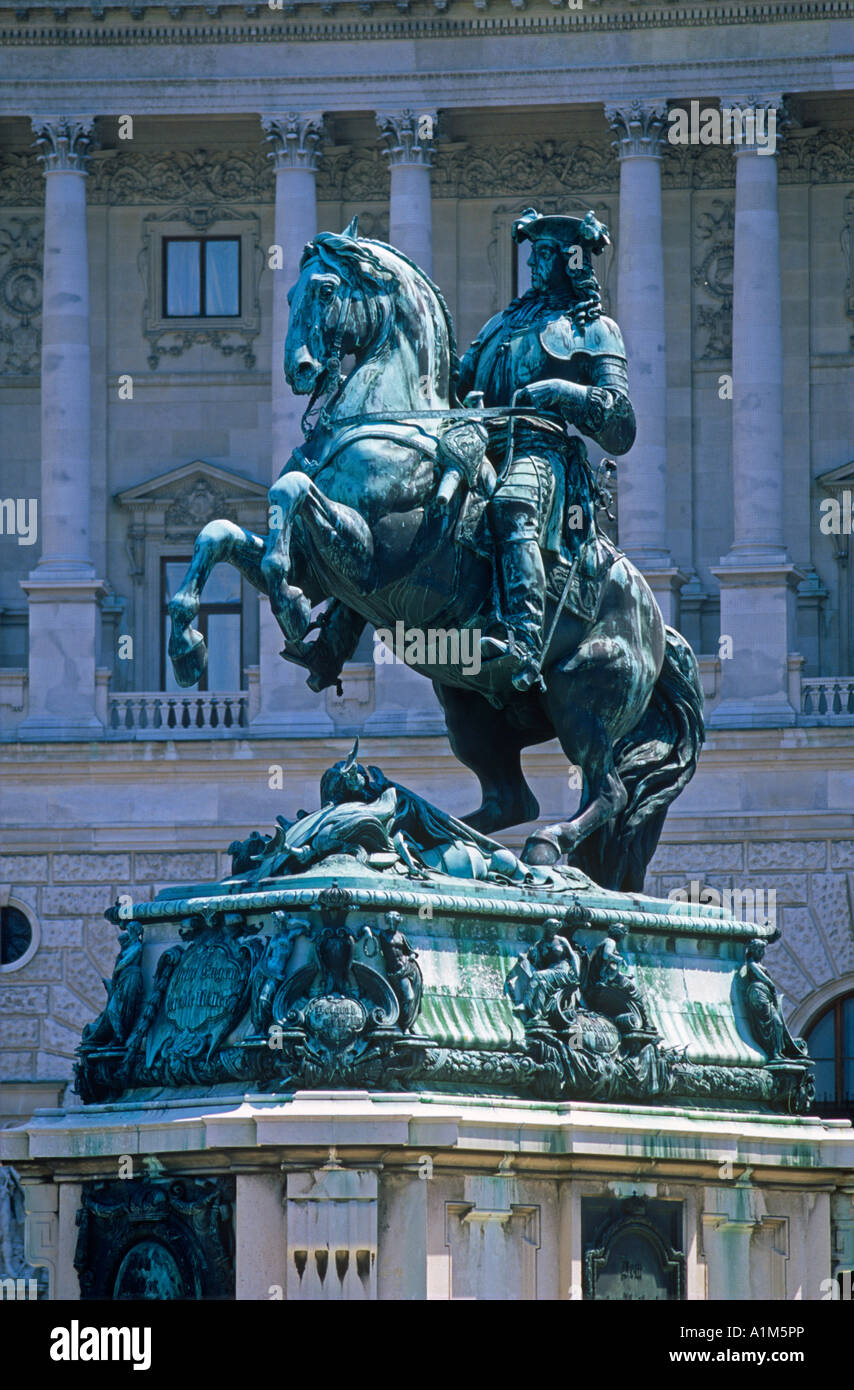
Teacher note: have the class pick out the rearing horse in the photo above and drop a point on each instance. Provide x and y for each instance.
(353, 520)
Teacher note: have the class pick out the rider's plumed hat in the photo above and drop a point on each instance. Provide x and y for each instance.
(587, 232)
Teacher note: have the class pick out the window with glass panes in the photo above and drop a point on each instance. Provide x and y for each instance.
(831, 1046)
(201, 277)
(220, 623)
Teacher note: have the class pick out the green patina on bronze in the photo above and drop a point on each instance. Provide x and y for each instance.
(412, 511)
(347, 950)
(379, 941)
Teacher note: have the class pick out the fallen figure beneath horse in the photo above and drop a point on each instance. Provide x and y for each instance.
(404, 506)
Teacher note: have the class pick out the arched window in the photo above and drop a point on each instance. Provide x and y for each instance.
(831, 1046)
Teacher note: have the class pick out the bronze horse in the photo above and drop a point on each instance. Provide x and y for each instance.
(354, 520)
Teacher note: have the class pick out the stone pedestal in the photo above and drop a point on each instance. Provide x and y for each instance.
(350, 1196)
(65, 631)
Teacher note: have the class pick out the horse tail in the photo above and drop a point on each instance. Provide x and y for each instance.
(655, 761)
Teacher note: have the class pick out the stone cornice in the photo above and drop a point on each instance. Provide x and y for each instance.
(344, 19)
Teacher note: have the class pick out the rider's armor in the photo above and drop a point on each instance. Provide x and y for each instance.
(543, 470)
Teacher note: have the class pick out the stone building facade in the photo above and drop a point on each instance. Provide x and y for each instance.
(436, 121)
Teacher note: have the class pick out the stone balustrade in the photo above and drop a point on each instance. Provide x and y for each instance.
(165, 714)
(828, 699)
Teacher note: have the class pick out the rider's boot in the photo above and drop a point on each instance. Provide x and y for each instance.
(523, 589)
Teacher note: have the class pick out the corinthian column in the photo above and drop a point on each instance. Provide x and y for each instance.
(757, 579)
(408, 139)
(639, 128)
(64, 619)
(294, 140)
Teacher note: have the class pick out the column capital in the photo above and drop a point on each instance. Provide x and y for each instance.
(639, 127)
(754, 123)
(408, 137)
(294, 137)
(65, 142)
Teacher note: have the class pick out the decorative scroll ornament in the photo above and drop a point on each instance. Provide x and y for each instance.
(65, 142)
(407, 136)
(639, 128)
(294, 139)
(713, 279)
(21, 256)
(759, 114)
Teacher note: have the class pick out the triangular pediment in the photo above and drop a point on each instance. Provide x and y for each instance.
(179, 481)
(836, 478)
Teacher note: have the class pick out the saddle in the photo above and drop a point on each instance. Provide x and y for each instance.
(582, 559)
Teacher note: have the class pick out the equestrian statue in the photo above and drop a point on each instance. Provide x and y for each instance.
(439, 494)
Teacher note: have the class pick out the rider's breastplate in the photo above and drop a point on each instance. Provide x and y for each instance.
(514, 357)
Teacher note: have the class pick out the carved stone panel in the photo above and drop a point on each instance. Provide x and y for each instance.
(633, 1249)
(714, 226)
(163, 1239)
(21, 255)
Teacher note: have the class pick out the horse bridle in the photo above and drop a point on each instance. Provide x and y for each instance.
(329, 380)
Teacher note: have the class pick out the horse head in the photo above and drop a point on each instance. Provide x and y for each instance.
(360, 297)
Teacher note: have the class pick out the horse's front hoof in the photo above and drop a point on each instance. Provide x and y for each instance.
(293, 613)
(189, 656)
(541, 848)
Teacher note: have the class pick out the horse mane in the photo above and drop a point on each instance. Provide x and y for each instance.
(338, 251)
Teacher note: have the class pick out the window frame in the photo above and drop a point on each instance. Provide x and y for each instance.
(206, 610)
(35, 937)
(839, 1105)
(201, 239)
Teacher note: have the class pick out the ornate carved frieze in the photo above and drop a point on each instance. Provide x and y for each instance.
(847, 241)
(21, 255)
(524, 168)
(294, 139)
(638, 127)
(65, 142)
(407, 137)
(713, 258)
(353, 173)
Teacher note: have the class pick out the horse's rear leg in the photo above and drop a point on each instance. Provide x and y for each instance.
(219, 540)
(593, 699)
(482, 740)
